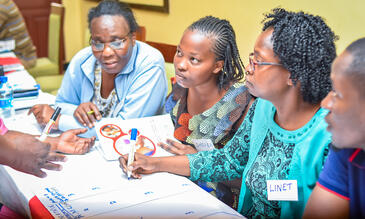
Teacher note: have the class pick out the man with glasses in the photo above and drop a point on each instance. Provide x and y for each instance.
(117, 76)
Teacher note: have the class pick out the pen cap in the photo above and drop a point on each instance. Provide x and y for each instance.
(3, 79)
(133, 134)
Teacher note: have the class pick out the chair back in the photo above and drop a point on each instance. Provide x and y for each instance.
(55, 34)
(141, 34)
(168, 51)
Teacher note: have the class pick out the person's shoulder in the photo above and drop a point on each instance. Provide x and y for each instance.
(346, 153)
(6, 7)
(82, 55)
(263, 105)
(319, 123)
(147, 53)
(85, 52)
(7, 3)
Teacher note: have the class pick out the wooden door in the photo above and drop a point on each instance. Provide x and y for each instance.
(36, 16)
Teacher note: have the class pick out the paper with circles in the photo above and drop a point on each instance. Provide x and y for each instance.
(114, 135)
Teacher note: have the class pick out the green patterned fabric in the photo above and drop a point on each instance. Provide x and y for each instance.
(261, 150)
(216, 123)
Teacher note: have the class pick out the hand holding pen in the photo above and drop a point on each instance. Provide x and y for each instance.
(50, 124)
(42, 113)
(87, 114)
(142, 164)
(132, 150)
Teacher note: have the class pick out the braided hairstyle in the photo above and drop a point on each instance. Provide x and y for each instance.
(305, 45)
(224, 47)
(113, 7)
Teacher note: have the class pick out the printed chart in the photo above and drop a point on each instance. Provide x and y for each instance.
(114, 135)
(91, 187)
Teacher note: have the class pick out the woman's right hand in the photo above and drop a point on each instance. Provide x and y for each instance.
(87, 114)
(43, 113)
(141, 165)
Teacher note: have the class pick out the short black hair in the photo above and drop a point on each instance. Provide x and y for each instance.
(224, 47)
(305, 46)
(356, 69)
(113, 7)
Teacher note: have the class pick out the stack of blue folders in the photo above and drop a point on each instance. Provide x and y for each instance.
(26, 92)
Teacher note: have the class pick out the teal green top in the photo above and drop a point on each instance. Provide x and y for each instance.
(261, 150)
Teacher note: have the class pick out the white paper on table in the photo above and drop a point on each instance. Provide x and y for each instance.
(156, 195)
(7, 45)
(24, 123)
(11, 67)
(114, 141)
(187, 204)
(89, 186)
(21, 79)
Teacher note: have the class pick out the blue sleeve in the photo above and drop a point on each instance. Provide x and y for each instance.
(334, 176)
(170, 103)
(69, 94)
(146, 95)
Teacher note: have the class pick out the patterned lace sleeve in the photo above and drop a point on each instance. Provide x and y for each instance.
(223, 164)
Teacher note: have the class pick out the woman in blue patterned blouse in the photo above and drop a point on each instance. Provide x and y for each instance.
(283, 136)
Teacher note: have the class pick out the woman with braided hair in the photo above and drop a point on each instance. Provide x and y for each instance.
(282, 143)
(208, 73)
(208, 101)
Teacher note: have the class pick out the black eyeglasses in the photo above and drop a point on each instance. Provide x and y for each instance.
(115, 45)
(253, 63)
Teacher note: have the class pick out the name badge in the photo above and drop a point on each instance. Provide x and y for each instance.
(282, 190)
(203, 144)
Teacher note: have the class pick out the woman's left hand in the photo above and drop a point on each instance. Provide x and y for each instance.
(177, 148)
(68, 142)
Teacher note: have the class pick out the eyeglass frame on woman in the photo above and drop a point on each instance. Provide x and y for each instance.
(113, 45)
(252, 63)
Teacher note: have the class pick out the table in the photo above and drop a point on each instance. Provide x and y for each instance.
(90, 186)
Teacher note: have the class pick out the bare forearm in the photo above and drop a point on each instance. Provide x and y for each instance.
(14, 135)
(53, 142)
(324, 204)
(7, 150)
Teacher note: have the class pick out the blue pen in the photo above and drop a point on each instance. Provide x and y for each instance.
(132, 150)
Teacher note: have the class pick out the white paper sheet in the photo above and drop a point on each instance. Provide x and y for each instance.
(114, 135)
(89, 186)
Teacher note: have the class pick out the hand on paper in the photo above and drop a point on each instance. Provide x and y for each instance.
(177, 148)
(68, 142)
(141, 165)
(43, 113)
(27, 154)
(87, 113)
